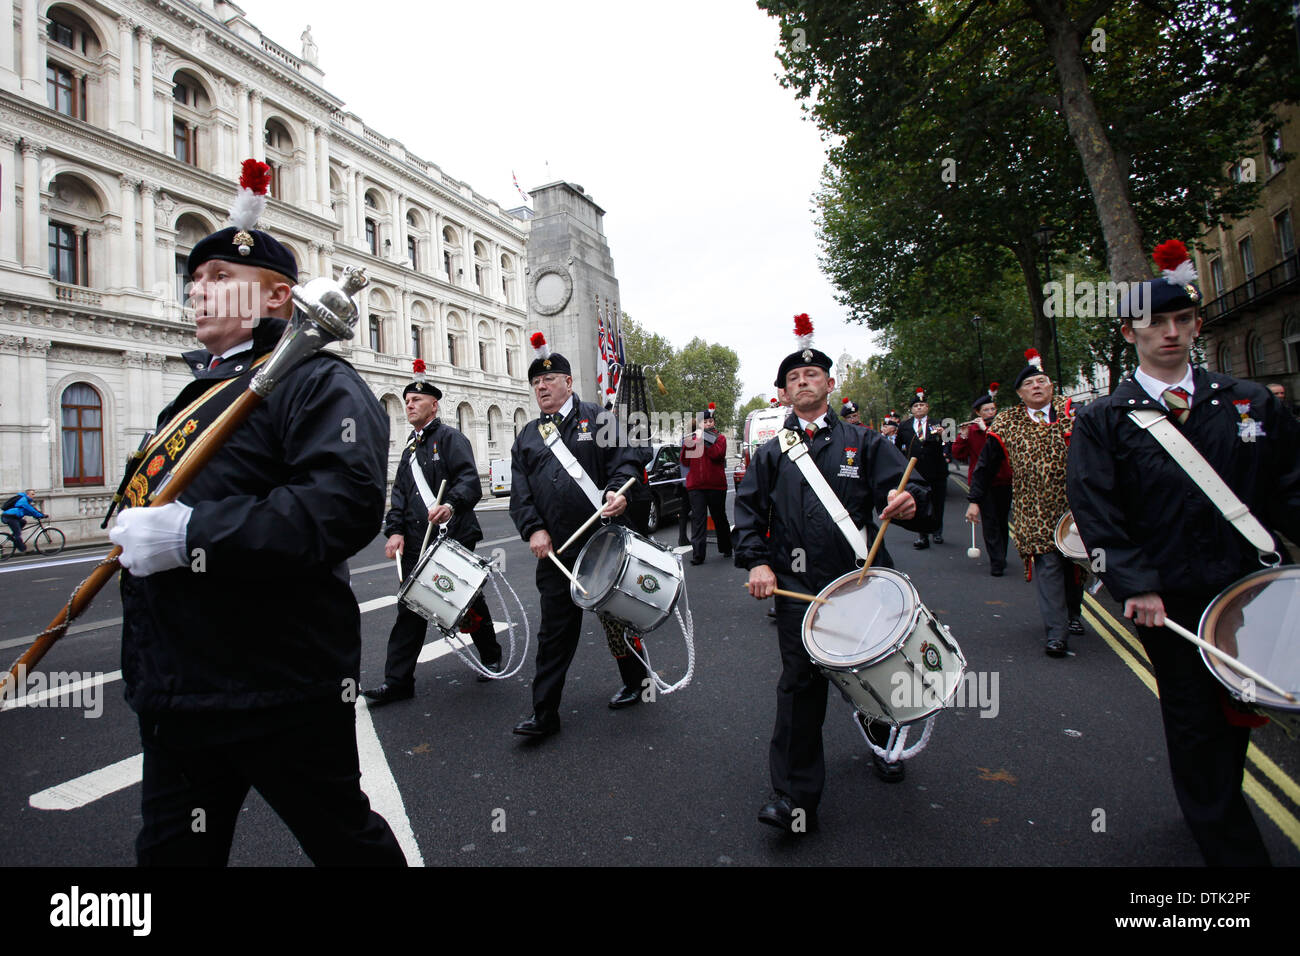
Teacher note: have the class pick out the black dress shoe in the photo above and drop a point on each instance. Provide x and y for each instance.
(697, 561)
(780, 812)
(625, 698)
(1076, 627)
(387, 693)
(921, 543)
(727, 554)
(1057, 648)
(938, 539)
(886, 771)
(532, 727)
(496, 667)
(997, 572)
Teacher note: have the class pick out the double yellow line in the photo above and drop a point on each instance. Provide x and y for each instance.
(1129, 649)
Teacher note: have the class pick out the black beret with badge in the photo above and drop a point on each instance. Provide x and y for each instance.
(421, 385)
(805, 355)
(242, 242)
(547, 361)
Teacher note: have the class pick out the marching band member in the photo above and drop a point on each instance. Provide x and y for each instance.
(705, 452)
(1168, 549)
(1034, 437)
(787, 538)
(930, 463)
(548, 504)
(996, 511)
(849, 411)
(440, 453)
(241, 637)
(889, 426)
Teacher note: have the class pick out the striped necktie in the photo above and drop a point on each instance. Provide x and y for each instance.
(811, 431)
(1179, 402)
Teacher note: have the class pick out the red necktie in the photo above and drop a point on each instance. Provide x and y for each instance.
(811, 430)
(1179, 402)
(216, 360)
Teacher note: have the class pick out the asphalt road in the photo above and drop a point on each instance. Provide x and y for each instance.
(1049, 762)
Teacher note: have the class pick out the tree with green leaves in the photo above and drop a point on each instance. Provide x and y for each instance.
(692, 376)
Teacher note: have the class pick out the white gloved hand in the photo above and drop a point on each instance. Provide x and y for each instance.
(152, 539)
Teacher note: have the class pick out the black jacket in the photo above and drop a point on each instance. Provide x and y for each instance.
(860, 465)
(542, 495)
(1156, 529)
(930, 462)
(270, 618)
(443, 453)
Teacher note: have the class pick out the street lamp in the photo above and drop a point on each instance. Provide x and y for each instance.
(975, 321)
(1044, 234)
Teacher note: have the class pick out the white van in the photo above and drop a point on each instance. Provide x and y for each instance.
(499, 475)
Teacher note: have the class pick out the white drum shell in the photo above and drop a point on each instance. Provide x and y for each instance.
(645, 585)
(444, 583)
(894, 683)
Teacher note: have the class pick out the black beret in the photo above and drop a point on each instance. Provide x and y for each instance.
(423, 388)
(229, 245)
(556, 363)
(804, 357)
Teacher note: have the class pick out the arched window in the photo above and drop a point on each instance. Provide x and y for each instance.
(83, 436)
(1291, 343)
(1255, 355)
(1225, 359)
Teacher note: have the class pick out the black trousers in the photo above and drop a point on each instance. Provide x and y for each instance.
(796, 759)
(1207, 754)
(938, 495)
(705, 502)
(995, 514)
(684, 516)
(308, 772)
(406, 639)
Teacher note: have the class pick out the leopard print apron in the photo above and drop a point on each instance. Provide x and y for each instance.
(1037, 453)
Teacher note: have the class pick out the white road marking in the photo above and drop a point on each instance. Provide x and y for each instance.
(388, 600)
(63, 690)
(88, 788)
(378, 783)
(37, 565)
(75, 629)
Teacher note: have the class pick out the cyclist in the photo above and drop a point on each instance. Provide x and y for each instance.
(20, 508)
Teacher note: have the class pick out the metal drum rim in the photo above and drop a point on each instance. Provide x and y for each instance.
(577, 596)
(913, 617)
(1207, 619)
(1057, 536)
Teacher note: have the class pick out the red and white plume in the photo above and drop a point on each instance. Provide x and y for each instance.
(1175, 263)
(844, 400)
(711, 408)
(538, 342)
(803, 330)
(418, 368)
(773, 402)
(993, 390)
(920, 393)
(250, 201)
(1033, 358)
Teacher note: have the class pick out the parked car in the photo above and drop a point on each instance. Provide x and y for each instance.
(665, 476)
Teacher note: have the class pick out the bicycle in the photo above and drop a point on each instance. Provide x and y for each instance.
(44, 540)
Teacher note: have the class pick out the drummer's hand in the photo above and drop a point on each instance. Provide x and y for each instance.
(1146, 610)
(614, 505)
(973, 513)
(540, 543)
(393, 546)
(762, 581)
(901, 505)
(440, 514)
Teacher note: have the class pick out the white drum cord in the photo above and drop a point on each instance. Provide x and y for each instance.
(895, 749)
(507, 668)
(684, 620)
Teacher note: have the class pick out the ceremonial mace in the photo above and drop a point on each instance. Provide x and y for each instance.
(325, 313)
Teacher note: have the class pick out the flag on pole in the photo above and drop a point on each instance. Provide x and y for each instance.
(516, 179)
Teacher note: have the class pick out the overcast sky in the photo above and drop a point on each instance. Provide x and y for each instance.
(669, 115)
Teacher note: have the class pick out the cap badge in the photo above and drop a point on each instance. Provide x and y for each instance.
(807, 355)
(244, 241)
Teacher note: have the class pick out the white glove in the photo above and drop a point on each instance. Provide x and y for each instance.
(152, 539)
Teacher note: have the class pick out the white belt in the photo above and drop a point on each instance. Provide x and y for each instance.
(422, 483)
(551, 435)
(798, 452)
(1207, 479)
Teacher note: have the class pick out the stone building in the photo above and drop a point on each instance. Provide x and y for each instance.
(122, 127)
(1251, 276)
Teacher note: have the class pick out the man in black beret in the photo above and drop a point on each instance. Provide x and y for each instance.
(922, 436)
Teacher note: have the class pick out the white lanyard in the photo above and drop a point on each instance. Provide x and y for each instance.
(551, 435)
(798, 452)
(421, 482)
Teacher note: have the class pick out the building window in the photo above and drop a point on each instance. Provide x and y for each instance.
(375, 340)
(412, 252)
(446, 264)
(1246, 249)
(62, 34)
(372, 237)
(274, 187)
(451, 348)
(478, 276)
(182, 94)
(415, 343)
(1216, 275)
(1225, 359)
(63, 93)
(182, 278)
(1254, 355)
(489, 420)
(68, 260)
(510, 362)
(183, 142)
(482, 356)
(1272, 150)
(1285, 234)
(83, 436)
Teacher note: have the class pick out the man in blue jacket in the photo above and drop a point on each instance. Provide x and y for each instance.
(13, 516)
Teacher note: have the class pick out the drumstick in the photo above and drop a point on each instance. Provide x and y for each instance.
(567, 573)
(797, 595)
(1228, 659)
(398, 558)
(429, 530)
(592, 520)
(880, 535)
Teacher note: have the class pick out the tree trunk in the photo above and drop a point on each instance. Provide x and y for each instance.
(1025, 253)
(1126, 259)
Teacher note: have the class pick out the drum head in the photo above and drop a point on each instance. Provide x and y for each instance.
(860, 622)
(601, 561)
(1257, 620)
(1068, 541)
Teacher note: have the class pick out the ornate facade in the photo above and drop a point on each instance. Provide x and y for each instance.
(122, 127)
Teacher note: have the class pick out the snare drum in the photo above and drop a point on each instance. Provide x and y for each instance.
(629, 578)
(1257, 620)
(1069, 543)
(882, 647)
(445, 583)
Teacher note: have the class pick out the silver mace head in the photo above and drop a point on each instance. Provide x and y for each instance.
(324, 313)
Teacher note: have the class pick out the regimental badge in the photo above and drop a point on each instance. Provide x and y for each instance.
(807, 355)
(546, 363)
(649, 583)
(155, 466)
(1192, 292)
(137, 492)
(584, 424)
(849, 455)
(244, 241)
(190, 426)
(930, 657)
(444, 584)
(1248, 429)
